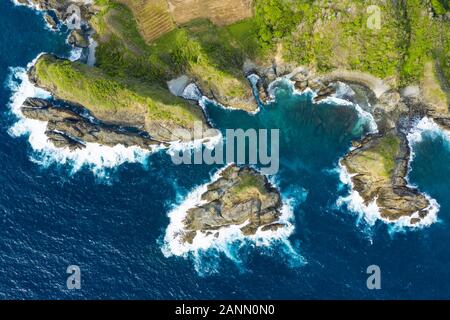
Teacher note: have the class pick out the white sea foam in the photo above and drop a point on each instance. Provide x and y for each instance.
(75, 54)
(337, 98)
(343, 92)
(253, 78)
(224, 239)
(426, 126)
(96, 157)
(28, 4)
(192, 92)
(176, 147)
(355, 203)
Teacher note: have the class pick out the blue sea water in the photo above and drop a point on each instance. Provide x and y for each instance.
(113, 227)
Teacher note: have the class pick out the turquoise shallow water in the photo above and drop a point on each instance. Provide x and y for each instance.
(113, 227)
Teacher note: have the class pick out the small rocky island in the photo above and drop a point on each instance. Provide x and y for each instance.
(241, 196)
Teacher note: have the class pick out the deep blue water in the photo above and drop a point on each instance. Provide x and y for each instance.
(113, 229)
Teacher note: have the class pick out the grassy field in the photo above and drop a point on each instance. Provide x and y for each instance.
(152, 16)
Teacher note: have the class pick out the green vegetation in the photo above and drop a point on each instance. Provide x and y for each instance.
(339, 36)
(249, 181)
(388, 148)
(109, 97)
(440, 6)
(212, 55)
(275, 19)
(441, 52)
(421, 35)
(250, 186)
(323, 35)
(334, 35)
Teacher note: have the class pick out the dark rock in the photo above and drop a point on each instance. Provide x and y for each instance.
(66, 128)
(52, 23)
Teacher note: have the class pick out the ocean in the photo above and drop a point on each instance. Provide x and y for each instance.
(107, 210)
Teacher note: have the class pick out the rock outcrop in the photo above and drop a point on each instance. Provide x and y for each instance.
(68, 129)
(378, 167)
(378, 164)
(239, 197)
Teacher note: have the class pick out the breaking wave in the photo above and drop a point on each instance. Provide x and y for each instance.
(341, 97)
(426, 126)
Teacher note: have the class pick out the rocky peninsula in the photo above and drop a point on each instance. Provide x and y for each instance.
(115, 101)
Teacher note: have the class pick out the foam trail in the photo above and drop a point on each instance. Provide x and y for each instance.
(254, 79)
(227, 240)
(192, 92)
(341, 96)
(75, 54)
(426, 126)
(96, 157)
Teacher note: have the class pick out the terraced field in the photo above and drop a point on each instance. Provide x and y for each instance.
(153, 17)
(157, 17)
(221, 12)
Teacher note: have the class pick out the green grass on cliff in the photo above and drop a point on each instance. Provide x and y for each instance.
(214, 55)
(92, 88)
(388, 149)
(250, 186)
(325, 35)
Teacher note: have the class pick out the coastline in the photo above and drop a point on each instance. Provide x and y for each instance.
(392, 113)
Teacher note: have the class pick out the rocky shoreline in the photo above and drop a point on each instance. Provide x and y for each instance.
(379, 176)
